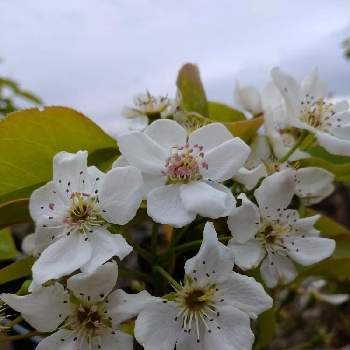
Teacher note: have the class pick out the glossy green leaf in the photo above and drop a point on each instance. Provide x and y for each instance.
(246, 129)
(224, 113)
(19, 269)
(320, 152)
(30, 138)
(7, 245)
(14, 212)
(192, 91)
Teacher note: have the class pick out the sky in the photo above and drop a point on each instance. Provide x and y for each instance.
(94, 55)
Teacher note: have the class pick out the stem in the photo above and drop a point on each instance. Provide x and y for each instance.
(20, 336)
(12, 323)
(171, 281)
(124, 272)
(298, 142)
(154, 239)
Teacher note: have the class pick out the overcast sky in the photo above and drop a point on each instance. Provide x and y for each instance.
(94, 55)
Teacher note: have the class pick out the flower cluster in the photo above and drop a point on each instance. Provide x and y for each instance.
(196, 185)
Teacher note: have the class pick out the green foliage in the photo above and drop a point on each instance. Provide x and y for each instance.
(224, 113)
(192, 92)
(14, 212)
(7, 245)
(18, 269)
(11, 91)
(30, 139)
(245, 129)
(266, 329)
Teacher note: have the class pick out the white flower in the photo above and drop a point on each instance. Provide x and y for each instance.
(86, 316)
(313, 289)
(312, 184)
(182, 172)
(211, 310)
(248, 97)
(72, 213)
(309, 109)
(275, 235)
(148, 107)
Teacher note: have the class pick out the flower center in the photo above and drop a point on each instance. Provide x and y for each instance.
(316, 113)
(152, 106)
(89, 319)
(272, 235)
(83, 213)
(184, 164)
(197, 306)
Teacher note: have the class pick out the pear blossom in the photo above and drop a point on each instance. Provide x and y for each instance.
(211, 310)
(85, 316)
(313, 289)
(312, 184)
(183, 173)
(148, 107)
(248, 97)
(274, 235)
(72, 214)
(308, 108)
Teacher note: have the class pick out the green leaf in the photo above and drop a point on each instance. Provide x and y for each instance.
(340, 170)
(19, 269)
(266, 329)
(30, 138)
(327, 226)
(320, 152)
(223, 113)
(7, 245)
(246, 129)
(14, 212)
(192, 91)
(335, 268)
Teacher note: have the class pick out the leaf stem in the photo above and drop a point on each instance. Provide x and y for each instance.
(19, 336)
(298, 142)
(167, 276)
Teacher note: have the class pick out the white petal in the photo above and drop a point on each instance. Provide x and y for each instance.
(165, 206)
(61, 340)
(70, 173)
(289, 89)
(105, 245)
(248, 97)
(312, 181)
(247, 255)
(28, 245)
(310, 250)
(246, 294)
(314, 86)
(94, 286)
(277, 269)
(210, 136)
(167, 133)
(275, 192)
(250, 177)
(214, 260)
(244, 222)
(121, 194)
(143, 152)
(156, 328)
(96, 179)
(46, 201)
(115, 340)
(200, 198)
(62, 258)
(138, 123)
(225, 160)
(234, 332)
(151, 182)
(334, 299)
(333, 144)
(123, 306)
(230, 201)
(306, 225)
(45, 309)
(120, 162)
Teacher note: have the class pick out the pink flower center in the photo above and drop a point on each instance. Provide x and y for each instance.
(184, 164)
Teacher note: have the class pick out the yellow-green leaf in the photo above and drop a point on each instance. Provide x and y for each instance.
(192, 91)
(19, 269)
(7, 245)
(246, 129)
(266, 329)
(14, 212)
(30, 138)
(224, 113)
